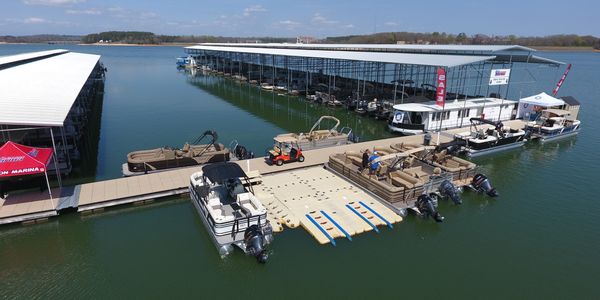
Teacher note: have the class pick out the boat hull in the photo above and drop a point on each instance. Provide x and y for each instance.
(484, 151)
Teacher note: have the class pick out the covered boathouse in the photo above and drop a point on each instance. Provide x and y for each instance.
(48, 100)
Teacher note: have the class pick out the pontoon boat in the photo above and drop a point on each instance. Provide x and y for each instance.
(319, 138)
(161, 159)
(233, 216)
(480, 141)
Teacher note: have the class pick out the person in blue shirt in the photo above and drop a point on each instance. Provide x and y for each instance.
(374, 164)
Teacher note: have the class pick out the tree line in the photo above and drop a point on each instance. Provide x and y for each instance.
(142, 37)
(561, 40)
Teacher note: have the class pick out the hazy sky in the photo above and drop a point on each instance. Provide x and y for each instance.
(291, 18)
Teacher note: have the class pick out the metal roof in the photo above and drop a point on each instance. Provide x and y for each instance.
(24, 57)
(371, 47)
(41, 93)
(394, 58)
(452, 104)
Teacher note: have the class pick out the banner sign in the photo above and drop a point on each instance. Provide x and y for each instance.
(560, 82)
(440, 94)
(499, 76)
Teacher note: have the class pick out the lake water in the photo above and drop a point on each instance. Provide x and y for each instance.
(539, 239)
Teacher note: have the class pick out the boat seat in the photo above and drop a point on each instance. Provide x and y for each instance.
(186, 147)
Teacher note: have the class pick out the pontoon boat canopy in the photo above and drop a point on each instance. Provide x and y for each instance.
(542, 99)
(221, 171)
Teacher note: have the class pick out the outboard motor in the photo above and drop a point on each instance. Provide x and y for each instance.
(482, 184)
(242, 153)
(448, 190)
(255, 243)
(428, 206)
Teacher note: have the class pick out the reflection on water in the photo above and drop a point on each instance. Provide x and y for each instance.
(289, 112)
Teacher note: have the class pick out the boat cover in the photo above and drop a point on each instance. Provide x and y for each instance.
(18, 160)
(219, 172)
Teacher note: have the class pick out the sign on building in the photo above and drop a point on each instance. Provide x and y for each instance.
(499, 76)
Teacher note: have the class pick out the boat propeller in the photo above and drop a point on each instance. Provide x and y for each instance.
(427, 205)
(448, 190)
(482, 184)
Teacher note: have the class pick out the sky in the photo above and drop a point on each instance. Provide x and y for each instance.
(284, 18)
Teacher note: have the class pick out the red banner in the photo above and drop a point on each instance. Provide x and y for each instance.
(560, 82)
(440, 95)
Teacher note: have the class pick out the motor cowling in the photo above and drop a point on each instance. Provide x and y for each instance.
(242, 153)
(255, 242)
(448, 190)
(482, 184)
(428, 206)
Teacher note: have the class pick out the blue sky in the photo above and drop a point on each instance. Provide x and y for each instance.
(291, 18)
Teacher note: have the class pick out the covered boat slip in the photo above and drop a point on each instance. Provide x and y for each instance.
(395, 73)
(51, 99)
(47, 100)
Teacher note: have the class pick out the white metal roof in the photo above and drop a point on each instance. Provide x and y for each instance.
(30, 55)
(41, 93)
(367, 47)
(452, 104)
(394, 58)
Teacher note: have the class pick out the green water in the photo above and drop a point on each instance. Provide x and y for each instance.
(539, 239)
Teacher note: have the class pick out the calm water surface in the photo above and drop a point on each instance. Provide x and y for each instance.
(538, 240)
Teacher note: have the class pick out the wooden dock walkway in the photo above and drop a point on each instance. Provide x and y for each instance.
(95, 196)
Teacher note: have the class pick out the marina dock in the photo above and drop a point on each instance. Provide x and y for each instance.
(289, 204)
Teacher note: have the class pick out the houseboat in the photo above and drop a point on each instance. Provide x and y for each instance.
(417, 118)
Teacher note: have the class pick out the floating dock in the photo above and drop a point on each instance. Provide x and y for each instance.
(296, 194)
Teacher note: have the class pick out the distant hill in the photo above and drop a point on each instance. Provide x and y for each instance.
(141, 37)
(41, 38)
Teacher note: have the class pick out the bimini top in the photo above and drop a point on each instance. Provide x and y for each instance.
(218, 172)
(42, 92)
(439, 60)
(430, 106)
(542, 99)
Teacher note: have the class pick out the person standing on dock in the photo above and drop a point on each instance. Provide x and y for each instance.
(365, 159)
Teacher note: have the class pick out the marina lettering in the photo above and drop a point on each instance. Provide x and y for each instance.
(26, 170)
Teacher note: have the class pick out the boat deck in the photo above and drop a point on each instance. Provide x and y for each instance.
(95, 196)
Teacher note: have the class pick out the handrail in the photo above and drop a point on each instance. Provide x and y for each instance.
(318, 123)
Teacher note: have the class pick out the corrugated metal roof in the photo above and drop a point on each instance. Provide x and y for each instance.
(394, 58)
(453, 104)
(41, 93)
(371, 47)
(10, 59)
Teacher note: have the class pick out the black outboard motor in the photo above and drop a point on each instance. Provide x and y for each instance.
(242, 153)
(448, 190)
(482, 184)
(255, 243)
(428, 206)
